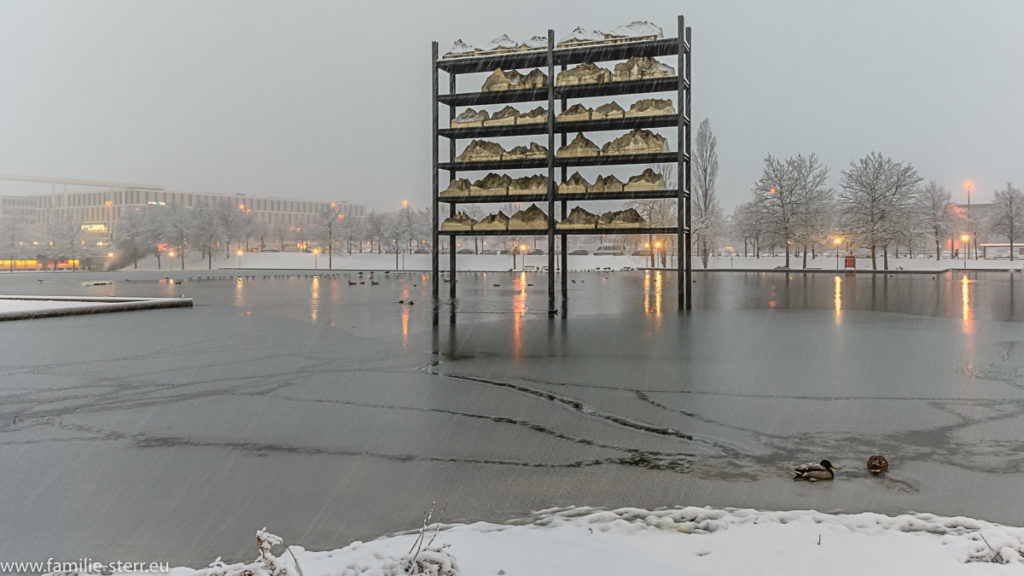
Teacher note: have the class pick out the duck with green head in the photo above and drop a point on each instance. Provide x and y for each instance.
(814, 472)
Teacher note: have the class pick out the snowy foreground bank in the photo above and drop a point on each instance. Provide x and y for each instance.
(669, 541)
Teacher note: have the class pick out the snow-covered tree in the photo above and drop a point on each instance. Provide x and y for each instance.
(155, 232)
(792, 198)
(131, 236)
(231, 224)
(747, 224)
(706, 220)
(878, 193)
(1008, 215)
(12, 230)
(179, 225)
(206, 231)
(66, 238)
(932, 214)
(326, 227)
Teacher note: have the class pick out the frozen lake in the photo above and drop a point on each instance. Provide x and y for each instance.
(329, 412)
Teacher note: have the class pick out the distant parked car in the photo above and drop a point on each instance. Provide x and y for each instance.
(641, 253)
(610, 250)
(488, 252)
(421, 251)
(537, 252)
(578, 253)
(465, 251)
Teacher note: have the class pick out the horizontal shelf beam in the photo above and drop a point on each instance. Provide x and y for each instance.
(573, 232)
(574, 55)
(616, 160)
(588, 196)
(497, 97)
(629, 123)
(667, 84)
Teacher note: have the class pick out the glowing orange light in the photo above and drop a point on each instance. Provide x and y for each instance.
(965, 237)
(969, 184)
(239, 253)
(110, 254)
(405, 203)
(241, 206)
(772, 191)
(838, 240)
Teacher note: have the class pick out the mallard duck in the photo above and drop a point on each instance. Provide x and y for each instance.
(814, 472)
(878, 464)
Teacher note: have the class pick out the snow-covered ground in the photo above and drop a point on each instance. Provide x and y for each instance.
(24, 307)
(8, 305)
(689, 540)
(490, 262)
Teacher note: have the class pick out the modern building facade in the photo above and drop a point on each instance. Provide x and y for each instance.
(98, 209)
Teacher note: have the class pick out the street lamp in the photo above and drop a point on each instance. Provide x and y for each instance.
(965, 238)
(239, 254)
(838, 240)
(316, 251)
(969, 184)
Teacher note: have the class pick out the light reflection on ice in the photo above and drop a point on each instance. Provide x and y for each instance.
(839, 300)
(239, 292)
(314, 299)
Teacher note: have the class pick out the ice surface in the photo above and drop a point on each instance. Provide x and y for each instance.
(334, 411)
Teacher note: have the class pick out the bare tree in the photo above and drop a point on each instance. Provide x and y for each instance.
(327, 220)
(375, 224)
(933, 214)
(13, 230)
(659, 212)
(707, 213)
(815, 217)
(748, 224)
(131, 236)
(206, 231)
(877, 193)
(791, 196)
(1008, 217)
(279, 234)
(231, 222)
(66, 240)
(156, 232)
(179, 228)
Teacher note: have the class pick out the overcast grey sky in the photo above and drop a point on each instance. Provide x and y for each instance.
(331, 100)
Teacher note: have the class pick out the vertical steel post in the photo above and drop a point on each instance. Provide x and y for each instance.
(435, 247)
(565, 238)
(689, 138)
(682, 194)
(551, 172)
(451, 206)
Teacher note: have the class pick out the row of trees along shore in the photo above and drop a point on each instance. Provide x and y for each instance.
(224, 229)
(882, 205)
